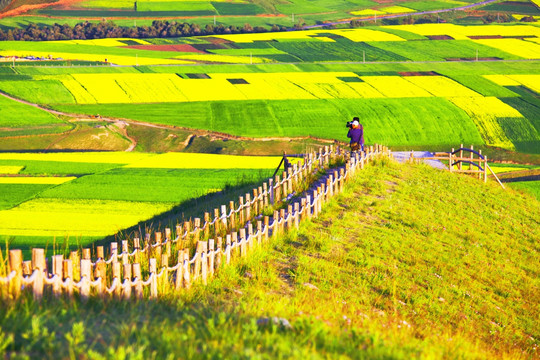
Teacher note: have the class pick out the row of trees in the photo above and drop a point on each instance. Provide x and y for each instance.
(108, 29)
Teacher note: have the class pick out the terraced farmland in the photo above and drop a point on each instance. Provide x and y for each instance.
(412, 85)
(88, 196)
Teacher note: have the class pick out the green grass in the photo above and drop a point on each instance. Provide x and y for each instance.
(14, 194)
(38, 91)
(184, 6)
(388, 121)
(14, 114)
(483, 86)
(440, 50)
(408, 263)
(530, 187)
(341, 50)
(154, 185)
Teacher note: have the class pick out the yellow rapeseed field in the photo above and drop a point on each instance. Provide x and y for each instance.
(81, 95)
(53, 180)
(525, 49)
(397, 10)
(207, 161)
(441, 86)
(82, 157)
(395, 86)
(530, 81)
(367, 12)
(359, 35)
(73, 218)
(8, 169)
(502, 80)
(484, 111)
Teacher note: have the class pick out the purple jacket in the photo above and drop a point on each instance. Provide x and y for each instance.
(356, 135)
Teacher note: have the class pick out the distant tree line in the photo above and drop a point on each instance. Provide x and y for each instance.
(108, 29)
(432, 19)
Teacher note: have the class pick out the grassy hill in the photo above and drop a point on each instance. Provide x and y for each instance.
(409, 262)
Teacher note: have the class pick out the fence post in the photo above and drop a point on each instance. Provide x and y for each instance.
(101, 272)
(232, 220)
(250, 236)
(153, 278)
(38, 264)
(137, 247)
(76, 263)
(271, 186)
(260, 198)
(157, 249)
(204, 261)
(212, 257)
(187, 230)
(275, 224)
(57, 261)
(68, 276)
(450, 167)
(219, 251)
(15, 264)
(342, 181)
(471, 157)
(125, 252)
(308, 206)
(187, 270)
(167, 235)
(266, 227)
(116, 275)
(86, 278)
(224, 216)
(242, 210)
(265, 195)
(243, 245)
(197, 228)
(127, 281)
(100, 253)
(138, 280)
(197, 268)
(228, 249)
(289, 217)
(86, 254)
(248, 207)
(277, 190)
(206, 225)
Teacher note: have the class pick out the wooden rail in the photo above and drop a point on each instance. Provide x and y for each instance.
(463, 160)
(159, 263)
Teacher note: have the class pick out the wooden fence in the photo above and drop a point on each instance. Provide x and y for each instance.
(150, 267)
(464, 160)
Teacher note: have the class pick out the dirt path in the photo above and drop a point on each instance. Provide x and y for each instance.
(25, 8)
(122, 123)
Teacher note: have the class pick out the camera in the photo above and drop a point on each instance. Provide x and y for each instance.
(349, 124)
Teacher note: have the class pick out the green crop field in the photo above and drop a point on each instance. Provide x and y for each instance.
(82, 197)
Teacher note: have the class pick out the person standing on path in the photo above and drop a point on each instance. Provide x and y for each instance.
(356, 134)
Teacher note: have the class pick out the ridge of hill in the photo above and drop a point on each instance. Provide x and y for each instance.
(409, 262)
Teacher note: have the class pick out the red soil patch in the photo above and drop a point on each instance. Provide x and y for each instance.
(178, 48)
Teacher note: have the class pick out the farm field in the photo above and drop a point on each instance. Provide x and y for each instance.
(83, 197)
(403, 101)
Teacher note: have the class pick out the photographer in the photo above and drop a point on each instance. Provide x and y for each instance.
(356, 134)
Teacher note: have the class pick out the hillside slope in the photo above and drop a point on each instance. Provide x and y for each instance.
(409, 262)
